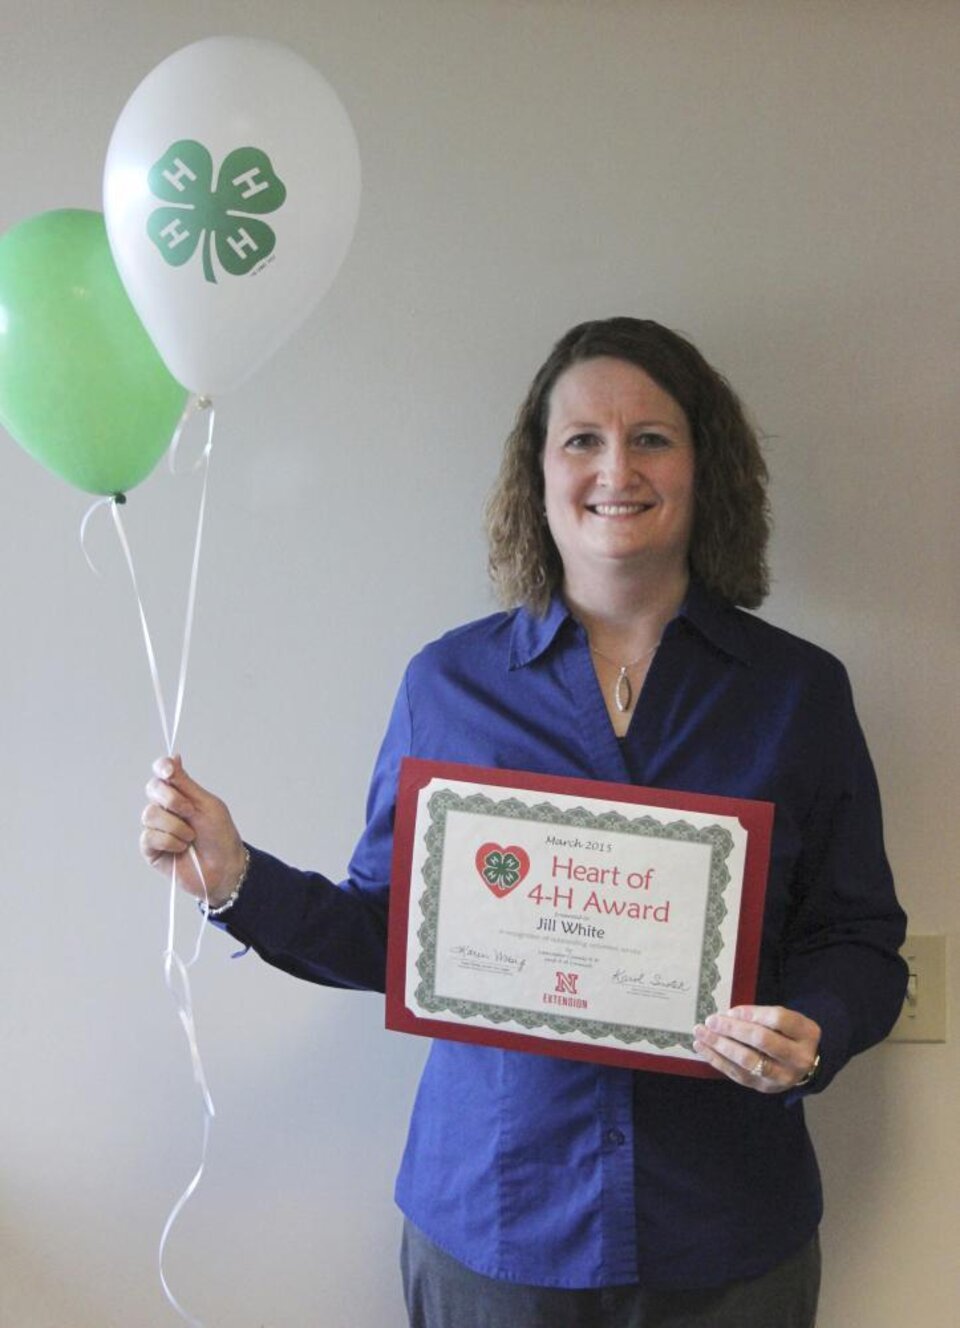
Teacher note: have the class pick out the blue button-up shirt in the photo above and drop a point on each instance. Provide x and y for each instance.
(563, 1173)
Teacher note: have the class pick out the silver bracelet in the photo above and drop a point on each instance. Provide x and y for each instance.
(229, 903)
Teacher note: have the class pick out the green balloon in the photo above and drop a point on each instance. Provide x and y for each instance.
(82, 388)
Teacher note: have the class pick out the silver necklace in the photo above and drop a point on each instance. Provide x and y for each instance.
(622, 690)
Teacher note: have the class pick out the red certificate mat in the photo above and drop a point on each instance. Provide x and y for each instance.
(570, 917)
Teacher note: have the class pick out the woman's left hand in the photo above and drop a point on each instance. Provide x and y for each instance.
(763, 1047)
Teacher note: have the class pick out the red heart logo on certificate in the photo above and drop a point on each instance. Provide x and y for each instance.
(502, 869)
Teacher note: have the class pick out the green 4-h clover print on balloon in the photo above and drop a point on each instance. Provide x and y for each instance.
(225, 216)
(230, 192)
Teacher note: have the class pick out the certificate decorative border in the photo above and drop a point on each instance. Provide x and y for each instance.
(717, 837)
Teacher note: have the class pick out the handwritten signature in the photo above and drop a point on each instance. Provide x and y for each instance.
(643, 979)
(515, 962)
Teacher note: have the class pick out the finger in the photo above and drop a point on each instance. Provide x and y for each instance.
(153, 857)
(778, 1032)
(740, 1040)
(157, 844)
(795, 1039)
(156, 818)
(750, 1069)
(170, 769)
(172, 800)
(743, 1043)
(788, 1023)
(739, 1030)
(745, 1055)
(165, 766)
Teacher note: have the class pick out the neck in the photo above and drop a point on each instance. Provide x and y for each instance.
(625, 617)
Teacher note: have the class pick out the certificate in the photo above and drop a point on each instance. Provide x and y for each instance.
(570, 917)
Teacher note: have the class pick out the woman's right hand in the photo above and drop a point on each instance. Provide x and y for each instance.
(181, 814)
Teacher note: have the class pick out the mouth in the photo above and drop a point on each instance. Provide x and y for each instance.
(618, 509)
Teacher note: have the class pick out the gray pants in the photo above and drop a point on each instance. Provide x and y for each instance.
(442, 1293)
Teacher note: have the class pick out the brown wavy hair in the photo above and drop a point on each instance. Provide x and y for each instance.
(731, 523)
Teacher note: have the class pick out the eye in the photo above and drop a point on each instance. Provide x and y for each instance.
(651, 442)
(581, 442)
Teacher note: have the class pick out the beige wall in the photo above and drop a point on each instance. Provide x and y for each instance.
(777, 179)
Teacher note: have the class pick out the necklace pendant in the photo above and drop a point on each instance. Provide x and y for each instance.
(623, 692)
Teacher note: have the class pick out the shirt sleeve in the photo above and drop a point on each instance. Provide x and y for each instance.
(304, 923)
(840, 959)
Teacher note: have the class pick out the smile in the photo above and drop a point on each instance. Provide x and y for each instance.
(618, 509)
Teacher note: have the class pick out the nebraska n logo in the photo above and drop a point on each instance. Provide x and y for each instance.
(222, 216)
(567, 982)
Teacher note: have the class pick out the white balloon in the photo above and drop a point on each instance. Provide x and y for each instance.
(231, 192)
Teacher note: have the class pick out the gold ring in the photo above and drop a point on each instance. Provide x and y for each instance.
(759, 1070)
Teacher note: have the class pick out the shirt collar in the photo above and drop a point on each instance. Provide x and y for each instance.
(708, 614)
(716, 620)
(531, 635)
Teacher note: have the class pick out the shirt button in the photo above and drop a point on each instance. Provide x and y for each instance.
(615, 1137)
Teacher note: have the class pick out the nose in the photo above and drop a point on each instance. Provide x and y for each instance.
(618, 469)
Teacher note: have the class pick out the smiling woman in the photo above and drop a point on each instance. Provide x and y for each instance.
(631, 465)
(628, 524)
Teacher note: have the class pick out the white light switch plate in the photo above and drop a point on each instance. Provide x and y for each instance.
(924, 1014)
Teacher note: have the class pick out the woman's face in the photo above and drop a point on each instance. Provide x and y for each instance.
(618, 471)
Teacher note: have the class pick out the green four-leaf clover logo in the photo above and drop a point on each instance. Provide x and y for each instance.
(502, 869)
(225, 217)
(501, 866)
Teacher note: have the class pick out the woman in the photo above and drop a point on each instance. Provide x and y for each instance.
(628, 521)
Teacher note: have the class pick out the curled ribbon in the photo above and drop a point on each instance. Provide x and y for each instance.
(176, 971)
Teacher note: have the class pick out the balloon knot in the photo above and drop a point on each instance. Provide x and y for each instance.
(120, 498)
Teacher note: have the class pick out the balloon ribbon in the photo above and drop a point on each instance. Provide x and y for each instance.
(176, 971)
